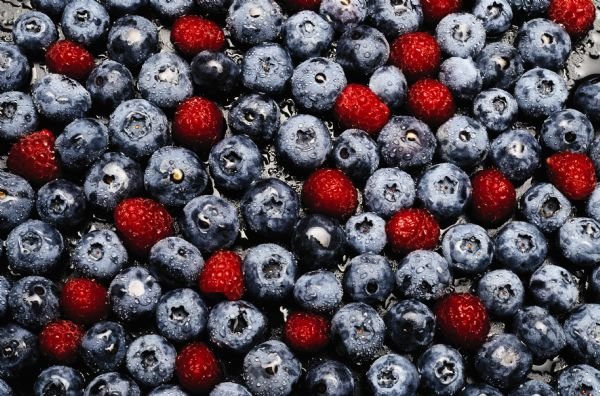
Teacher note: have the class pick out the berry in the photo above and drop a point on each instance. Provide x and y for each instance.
(252, 22)
(16, 72)
(255, 115)
(503, 361)
(210, 223)
(62, 203)
(175, 261)
(500, 65)
(16, 201)
(18, 117)
(303, 4)
(554, 288)
(33, 32)
(103, 347)
(113, 383)
(235, 163)
(198, 124)
(543, 43)
(181, 315)
(236, 326)
(368, 278)
(60, 340)
(578, 327)
(110, 83)
(365, 233)
(572, 173)
(99, 254)
(21, 350)
(423, 275)
(502, 293)
(81, 143)
(462, 320)
(165, 79)
(357, 332)
(466, 44)
(577, 16)
(389, 83)
(540, 331)
(568, 130)
(406, 142)
(60, 99)
(134, 293)
(316, 83)
(431, 101)
(222, 275)
(318, 291)
(540, 93)
(197, 368)
(150, 360)
(358, 107)
(318, 241)
(329, 378)
(361, 50)
(452, 377)
(462, 141)
(330, 192)
(495, 109)
(579, 379)
(468, 248)
(435, 10)
(444, 190)
(271, 369)
(85, 22)
(520, 247)
(131, 40)
(356, 154)
(417, 54)
(462, 77)
(171, 9)
(306, 332)
(494, 198)
(215, 73)
(33, 157)
(84, 300)
(579, 239)
(545, 207)
(62, 378)
(271, 79)
(412, 229)
(303, 142)
(192, 34)
(405, 381)
(495, 22)
(410, 324)
(344, 14)
(302, 42)
(69, 58)
(34, 247)
(516, 153)
(269, 272)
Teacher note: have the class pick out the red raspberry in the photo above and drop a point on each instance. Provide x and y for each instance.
(197, 368)
(69, 58)
(330, 192)
(359, 107)
(222, 275)
(417, 54)
(33, 157)
(431, 101)
(59, 341)
(462, 320)
(306, 332)
(192, 34)
(303, 4)
(577, 16)
(198, 124)
(412, 229)
(435, 10)
(84, 300)
(493, 198)
(572, 173)
(142, 222)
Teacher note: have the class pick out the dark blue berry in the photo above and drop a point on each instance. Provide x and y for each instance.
(131, 40)
(165, 79)
(112, 384)
(15, 72)
(503, 361)
(554, 288)
(388, 190)
(479, 390)
(215, 69)
(267, 68)
(318, 291)
(169, 9)
(357, 332)
(545, 207)
(175, 261)
(235, 162)
(567, 130)
(33, 32)
(533, 387)
(318, 240)
(394, 18)
(33, 302)
(500, 65)
(356, 154)
(99, 254)
(444, 190)
(540, 93)
(150, 360)
(579, 379)
(496, 16)
(579, 241)
(442, 370)
(34, 248)
(85, 22)
(18, 116)
(303, 142)
(269, 272)
(255, 115)
(461, 35)
(468, 248)
(60, 98)
(167, 390)
(20, 350)
(516, 153)
(496, 109)
(181, 315)
(59, 380)
(253, 22)
(54, 8)
(271, 369)
(316, 83)
(392, 375)
(406, 142)
(62, 203)
(521, 247)
(540, 331)
(307, 35)
(4, 289)
(365, 233)
(580, 327)
(227, 389)
(587, 97)
(423, 275)
(361, 50)
(103, 347)
(121, 7)
(133, 294)
(16, 200)
(330, 378)
(389, 83)
(530, 7)
(368, 278)
(410, 324)
(543, 43)
(110, 83)
(502, 292)
(462, 141)
(343, 14)
(461, 76)
(82, 143)
(236, 326)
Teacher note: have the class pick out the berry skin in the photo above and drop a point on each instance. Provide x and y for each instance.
(431, 101)
(198, 124)
(417, 54)
(435, 10)
(142, 222)
(577, 16)
(572, 174)
(306, 332)
(84, 300)
(197, 368)
(463, 320)
(412, 229)
(303, 4)
(69, 58)
(192, 34)
(60, 340)
(33, 158)
(222, 275)
(358, 107)
(330, 192)
(493, 198)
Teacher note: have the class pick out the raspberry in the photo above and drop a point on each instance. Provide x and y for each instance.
(330, 192)
(412, 229)
(192, 34)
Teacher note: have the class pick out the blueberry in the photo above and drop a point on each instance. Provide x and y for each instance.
(270, 208)
(388, 190)
(210, 223)
(168, 9)
(343, 14)
(521, 247)
(16, 201)
(587, 97)
(567, 130)
(270, 369)
(356, 154)
(20, 350)
(111, 179)
(318, 240)
(4, 289)
(167, 390)
(368, 278)
(516, 153)
(406, 142)
(131, 40)
(540, 331)
(365, 233)
(540, 93)
(554, 288)
(594, 285)
(18, 116)
(410, 325)
(176, 262)
(112, 384)
(442, 370)
(479, 390)
(495, 109)
(579, 241)
(62, 203)
(60, 98)
(461, 76)
(423, 275)
(236, 326)
(269, 272)
(579, 379)
(461, 35)
(502, 292)
(545, 207)
(235, 162)
(255, 115)
(228, 389)
(303, 142)
(467, 248)
(389, 83)
(503, 361)
(85, 22)
(580, 330)
(252, 22)
(15, 72)
(594, 153)
(33, 32)
(99, 254)
(500, 65)
(496, 16)
(318, 291)
(54, 8)
(34, 248)
(215, 69)
(361, 50)
(33, 302)
(103, 347)
(267, 68)
(392, 375)
(592, 207)
(134, 293)
(82, 143)
(530, 7)
(316, 83)
(444, 190)
(59, 380)
(213, 6)
(174, 176)
(543, 43)
(150, 360)
(307, 35)
(394, 18)
(357, 332)
(165, 79)
(330, 378)
(533, 387)
(181, 315)
(109, 84)
(124, 6)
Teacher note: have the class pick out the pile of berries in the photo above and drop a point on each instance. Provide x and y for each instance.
(298, 197)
